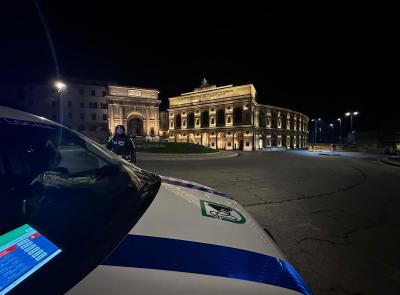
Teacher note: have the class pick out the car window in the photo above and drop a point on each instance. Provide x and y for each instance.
(79, 197)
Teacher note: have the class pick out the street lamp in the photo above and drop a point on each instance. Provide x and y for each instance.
(351, 114)
(315, 132)
(60, 86)
(333, 133)
(340, 129)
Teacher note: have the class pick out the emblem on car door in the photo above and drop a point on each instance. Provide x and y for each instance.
(218, 211)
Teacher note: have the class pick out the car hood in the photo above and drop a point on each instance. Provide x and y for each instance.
(194, 239)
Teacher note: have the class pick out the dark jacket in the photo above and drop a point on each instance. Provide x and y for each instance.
(121, 145)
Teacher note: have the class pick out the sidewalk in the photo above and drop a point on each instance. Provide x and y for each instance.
(394, 161)
(176, 157)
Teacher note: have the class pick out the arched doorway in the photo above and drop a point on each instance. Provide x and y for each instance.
(238, 141)
(135, 127)
(274, 141)
(191, 138)
(261, 119)
(262, 140)
(205, 139)
(205, 117)
(221, 141)
(237, 116)
(190, 120)
(178, 138)
(178, 122)
(220, 118)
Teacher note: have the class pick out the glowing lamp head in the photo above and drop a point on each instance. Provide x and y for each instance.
(59, 85)
(355, 113)
(347, 114)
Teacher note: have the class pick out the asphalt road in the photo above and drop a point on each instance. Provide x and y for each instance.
(335, 217)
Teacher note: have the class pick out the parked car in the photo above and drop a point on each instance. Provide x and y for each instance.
(77, 219)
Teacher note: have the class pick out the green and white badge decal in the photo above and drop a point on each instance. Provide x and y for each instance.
(218, 211)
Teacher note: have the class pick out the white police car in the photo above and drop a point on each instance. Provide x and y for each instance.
(76, 219)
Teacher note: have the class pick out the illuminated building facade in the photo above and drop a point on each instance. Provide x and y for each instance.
(229, 118)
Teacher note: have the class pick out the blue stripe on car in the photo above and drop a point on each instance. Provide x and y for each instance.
(201, 258)
(195, 186)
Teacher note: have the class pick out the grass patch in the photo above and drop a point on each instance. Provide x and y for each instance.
(172, 148)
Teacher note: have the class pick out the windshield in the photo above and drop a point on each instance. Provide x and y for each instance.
(81, 198)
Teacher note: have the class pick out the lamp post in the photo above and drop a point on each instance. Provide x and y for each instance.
(340, 129)
(333, 133)
(315, 132)
(351, 114)
(60, 86)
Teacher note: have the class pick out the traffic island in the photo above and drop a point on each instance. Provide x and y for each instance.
(173, 148)
(394, 161)
(185, 157)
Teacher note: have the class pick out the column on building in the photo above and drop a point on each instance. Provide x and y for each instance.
(279, 120)
(213, 139)
(229, 140)
(212, 117)
(248, 140)
(229, 116)
(184, 120)
(287, 140)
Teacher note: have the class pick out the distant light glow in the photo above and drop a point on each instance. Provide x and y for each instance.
(339, 119)
(331, 125)
(348, 114)
(355, 113)
(319, 119)
(312, 120)
(59, 85)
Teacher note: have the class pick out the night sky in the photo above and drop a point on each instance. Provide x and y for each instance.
(320, 58)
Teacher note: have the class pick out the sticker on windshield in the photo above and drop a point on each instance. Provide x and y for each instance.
(218, 211)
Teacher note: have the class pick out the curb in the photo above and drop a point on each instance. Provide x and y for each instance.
(390, 162)
(186, 157)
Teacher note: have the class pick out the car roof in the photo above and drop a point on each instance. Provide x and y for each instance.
(9, 113)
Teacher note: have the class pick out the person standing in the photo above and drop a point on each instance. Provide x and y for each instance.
(122, 145)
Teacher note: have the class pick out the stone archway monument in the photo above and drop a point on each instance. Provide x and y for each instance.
(135, 108)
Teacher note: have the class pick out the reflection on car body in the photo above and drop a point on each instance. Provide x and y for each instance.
(110, 223)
